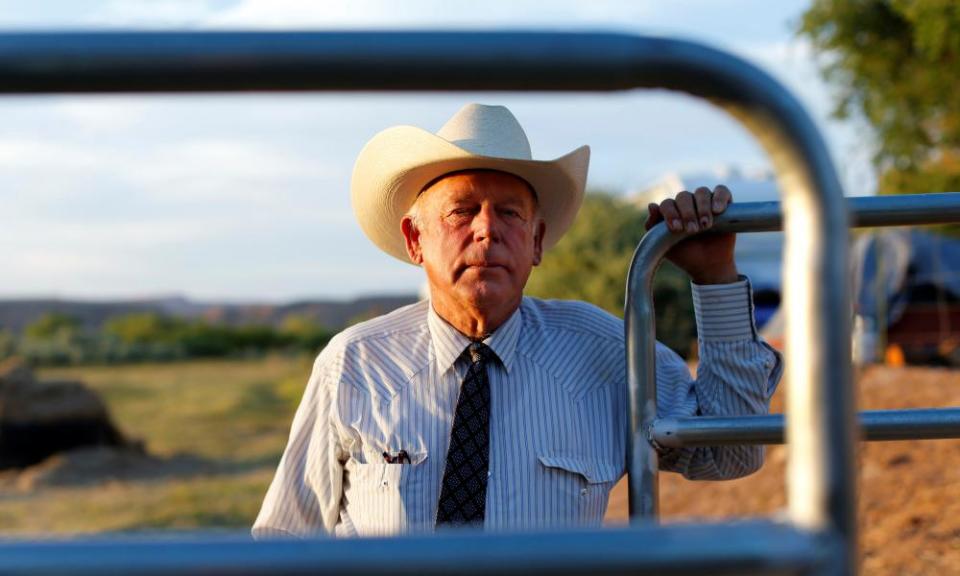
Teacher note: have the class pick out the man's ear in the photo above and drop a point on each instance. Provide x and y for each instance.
(411, 234)
(538, 242)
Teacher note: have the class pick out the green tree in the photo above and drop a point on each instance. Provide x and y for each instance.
(303, 333)
(53, 325)
(590, 263)
(893, 64)
(142, 336)
(155, 336)
(55, 338)
(8, 344)
(144, 328)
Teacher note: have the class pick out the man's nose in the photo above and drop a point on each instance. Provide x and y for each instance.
(486, 225)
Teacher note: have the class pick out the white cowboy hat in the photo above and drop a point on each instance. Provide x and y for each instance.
(396, 164)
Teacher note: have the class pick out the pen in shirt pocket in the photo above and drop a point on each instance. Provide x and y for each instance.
(397, 458)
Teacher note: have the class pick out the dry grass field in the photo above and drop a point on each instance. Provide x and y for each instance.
(215, 430)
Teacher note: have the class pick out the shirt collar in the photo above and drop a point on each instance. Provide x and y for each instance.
(449, 343)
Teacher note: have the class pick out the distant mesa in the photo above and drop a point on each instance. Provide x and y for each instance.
(17, 314)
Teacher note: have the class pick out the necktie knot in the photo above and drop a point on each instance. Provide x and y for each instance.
(479, 353)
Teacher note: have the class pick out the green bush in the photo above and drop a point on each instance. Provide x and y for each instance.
(590, 263)
(57, 339)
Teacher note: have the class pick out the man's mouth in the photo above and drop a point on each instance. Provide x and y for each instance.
(482, 266)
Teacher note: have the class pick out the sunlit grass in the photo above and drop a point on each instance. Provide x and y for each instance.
(223, 502)
(222, 409)
(233, 414)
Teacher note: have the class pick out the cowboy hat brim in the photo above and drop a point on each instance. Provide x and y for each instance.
(396, 164)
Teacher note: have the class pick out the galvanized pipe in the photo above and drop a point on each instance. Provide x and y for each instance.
(144, 61)
(821, 485)
(232, 61)
(864, 212)
(757, 547)
(820, 402)
(821, 426)
(872, 211)
(875, 425)
(904, 210)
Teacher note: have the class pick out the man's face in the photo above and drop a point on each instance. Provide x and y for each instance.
(478, 238)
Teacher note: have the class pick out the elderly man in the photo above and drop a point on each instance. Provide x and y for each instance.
(482, 407)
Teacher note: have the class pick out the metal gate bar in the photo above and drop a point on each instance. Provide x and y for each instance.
(760, 547)
(863, 211)
(821, 488)
(875, 425)
(903, 210)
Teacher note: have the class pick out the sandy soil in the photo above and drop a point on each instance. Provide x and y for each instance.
(909, 491)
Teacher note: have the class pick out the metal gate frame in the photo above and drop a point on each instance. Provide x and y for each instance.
(875, 425)
(820, 536)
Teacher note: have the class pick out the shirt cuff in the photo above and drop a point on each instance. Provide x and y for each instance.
(724, 311)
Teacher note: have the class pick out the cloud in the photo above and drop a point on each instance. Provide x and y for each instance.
(220, 169)
(32, 153)
(103, 114)
(425, 13)
(151, 13)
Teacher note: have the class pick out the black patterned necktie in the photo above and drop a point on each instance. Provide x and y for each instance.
(463, 495)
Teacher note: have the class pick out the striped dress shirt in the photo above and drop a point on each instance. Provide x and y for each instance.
(557, 425)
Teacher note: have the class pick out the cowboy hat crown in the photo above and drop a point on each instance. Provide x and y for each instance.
(487, 131)
(396, 164)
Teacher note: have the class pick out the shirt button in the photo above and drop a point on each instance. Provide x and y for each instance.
(489, 473)
(583, 492)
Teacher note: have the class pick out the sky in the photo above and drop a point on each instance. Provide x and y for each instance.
(245, 198)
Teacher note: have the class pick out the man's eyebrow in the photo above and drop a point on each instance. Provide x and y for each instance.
(517, 203)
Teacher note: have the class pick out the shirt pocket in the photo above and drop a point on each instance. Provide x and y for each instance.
(580, 487)
(379, 499)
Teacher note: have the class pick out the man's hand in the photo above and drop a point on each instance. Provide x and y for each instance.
(707, 258)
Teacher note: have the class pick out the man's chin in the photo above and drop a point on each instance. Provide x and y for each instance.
(489, 294)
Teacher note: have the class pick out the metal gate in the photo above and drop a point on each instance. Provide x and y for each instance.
(820, 536)
(875, 425)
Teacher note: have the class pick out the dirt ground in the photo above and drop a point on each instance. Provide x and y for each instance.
(909, 491)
